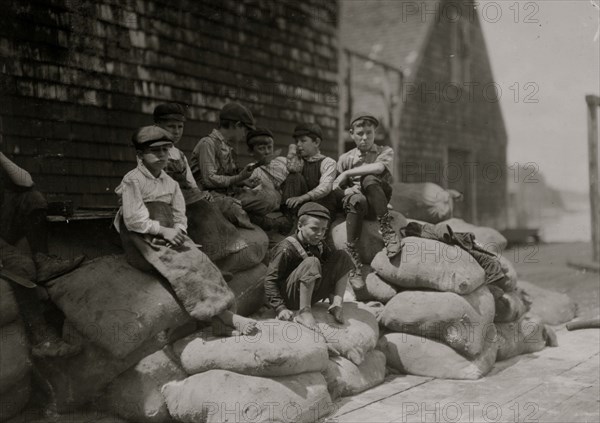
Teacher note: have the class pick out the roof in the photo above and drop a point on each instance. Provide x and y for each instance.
(398, 30)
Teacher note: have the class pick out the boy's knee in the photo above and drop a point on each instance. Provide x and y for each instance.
(369, 180)
(356, 203)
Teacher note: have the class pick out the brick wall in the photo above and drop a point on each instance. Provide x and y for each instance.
(77, 76)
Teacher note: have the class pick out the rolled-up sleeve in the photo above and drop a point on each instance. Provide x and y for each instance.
(386, 157)
(135, 213)
(206, 167)
(328, 173)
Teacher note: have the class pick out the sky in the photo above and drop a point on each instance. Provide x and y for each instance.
(550, 48)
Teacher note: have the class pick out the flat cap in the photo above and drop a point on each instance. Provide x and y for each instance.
(363, 115)
(151, 136)
(308, 129)
(314, 209)
(258, 132)
(169, 111)
(237, 113)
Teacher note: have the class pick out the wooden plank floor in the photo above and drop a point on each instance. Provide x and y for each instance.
(554, 385)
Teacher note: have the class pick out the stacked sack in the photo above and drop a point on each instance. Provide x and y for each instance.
(15, 364)
(273, 374)
(441, 323)
(424, 201)
(370, 243)
(124, 318)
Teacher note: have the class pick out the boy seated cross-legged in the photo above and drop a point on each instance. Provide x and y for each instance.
(365, 174)
(303, 270)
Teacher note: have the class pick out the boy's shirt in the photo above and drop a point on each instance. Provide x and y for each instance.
(213, 162)
(285, 258)
(271, 176)
(328, 174)
(140, 186)
(377, 154)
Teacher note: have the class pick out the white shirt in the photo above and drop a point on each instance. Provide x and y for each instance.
(140, 186)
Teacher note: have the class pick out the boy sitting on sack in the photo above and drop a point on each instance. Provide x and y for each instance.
(303, 270)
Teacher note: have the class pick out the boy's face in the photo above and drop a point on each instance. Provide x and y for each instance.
(363, 134)
(262, 147)
(156, 158)
(307, 147)
(312, 229)
(175, 127)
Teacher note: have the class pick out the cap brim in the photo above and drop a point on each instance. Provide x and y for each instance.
(157, 143)
(317, 214)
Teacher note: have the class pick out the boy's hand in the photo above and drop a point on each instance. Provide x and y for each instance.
(285, 314)
(246, 172)
(173, 236)
(294, 202)
(340, 181)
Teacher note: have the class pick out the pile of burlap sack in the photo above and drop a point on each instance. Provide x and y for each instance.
(425, 312)
(15, 362)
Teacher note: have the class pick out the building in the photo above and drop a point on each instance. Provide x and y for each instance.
(76, 78)
(423, 68)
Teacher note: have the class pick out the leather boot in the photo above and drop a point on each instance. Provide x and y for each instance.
(391, 239)
(355, 277)
(50, 267)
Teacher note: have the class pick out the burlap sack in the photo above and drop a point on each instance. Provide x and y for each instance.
(14, 355)
(15, 398)
(356, 337)
(461, 322)
(258, 245)
(423, 201)
(509, 283)
(249, 289)
(376, 289)
(344, 378)
(115, 305)
(419, 356)
(208, 227)
(510, 307)
(278, 349)
(370, 241)
(136, 394)
(526, 335)
(553, 308)
(489, 238)
(9, 310)
(217, 396)
(77, 380)
(429, 264)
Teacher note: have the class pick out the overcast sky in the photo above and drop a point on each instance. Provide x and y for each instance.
(553, 46)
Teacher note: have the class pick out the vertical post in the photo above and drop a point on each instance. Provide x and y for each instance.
(592, 118)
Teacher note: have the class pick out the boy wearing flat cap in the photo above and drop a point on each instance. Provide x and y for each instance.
(317, 172)
(365, 174)
(152, 224)
(303, 270)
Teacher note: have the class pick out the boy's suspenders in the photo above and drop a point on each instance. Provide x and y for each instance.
(299, 248)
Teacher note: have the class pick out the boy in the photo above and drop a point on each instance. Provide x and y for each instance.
(171, 117)
(213, 162)
(152, 225)
(23, 211)
(366, 172)
(315, 179)
(303, 270)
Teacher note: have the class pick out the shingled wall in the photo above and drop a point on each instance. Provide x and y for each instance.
(77, 76)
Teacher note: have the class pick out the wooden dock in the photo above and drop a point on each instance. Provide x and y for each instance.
(554, 385)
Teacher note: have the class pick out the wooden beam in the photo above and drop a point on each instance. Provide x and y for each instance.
(593, 102)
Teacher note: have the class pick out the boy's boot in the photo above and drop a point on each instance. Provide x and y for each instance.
(391, 239)
(355, 277)
(50, 267)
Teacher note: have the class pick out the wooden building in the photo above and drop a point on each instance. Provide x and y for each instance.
(423, 68)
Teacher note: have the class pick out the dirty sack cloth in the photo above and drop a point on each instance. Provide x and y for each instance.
(208, 227)
(196, 281)
(465, 240)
